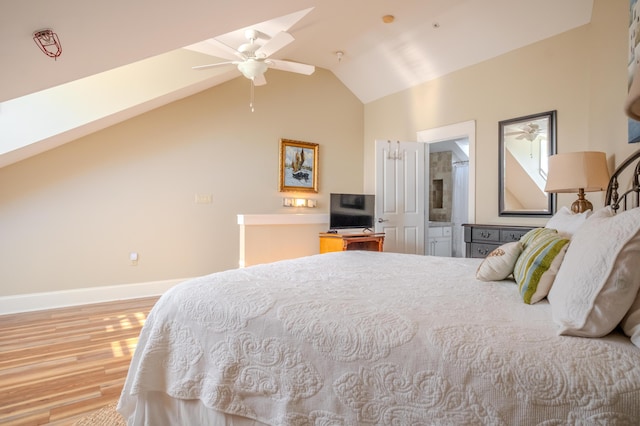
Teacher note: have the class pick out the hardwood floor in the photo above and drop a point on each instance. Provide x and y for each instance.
(59, 365)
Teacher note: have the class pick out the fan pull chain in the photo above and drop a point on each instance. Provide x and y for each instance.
(251, 101)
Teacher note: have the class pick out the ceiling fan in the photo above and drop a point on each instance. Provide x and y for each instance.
(529, 132)
(253, 59)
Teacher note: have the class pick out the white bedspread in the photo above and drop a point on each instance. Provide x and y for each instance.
(357, 338)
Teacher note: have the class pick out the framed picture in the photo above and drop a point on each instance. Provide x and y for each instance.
(298, 166)
(524, 148)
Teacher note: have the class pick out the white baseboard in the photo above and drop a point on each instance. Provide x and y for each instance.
(82, 296)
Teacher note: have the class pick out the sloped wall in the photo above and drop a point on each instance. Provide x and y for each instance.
(70, 217)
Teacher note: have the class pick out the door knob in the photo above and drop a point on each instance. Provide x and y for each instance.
(380, 220)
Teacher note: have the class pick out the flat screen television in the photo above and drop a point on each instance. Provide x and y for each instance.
(351, 211)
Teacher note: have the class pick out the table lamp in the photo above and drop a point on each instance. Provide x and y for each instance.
(580, 172)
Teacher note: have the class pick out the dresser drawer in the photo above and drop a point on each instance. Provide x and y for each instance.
(485, 234)
(508, 235)
(483, 239)
(481, 249)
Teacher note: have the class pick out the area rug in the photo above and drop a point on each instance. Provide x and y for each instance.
(106, 416)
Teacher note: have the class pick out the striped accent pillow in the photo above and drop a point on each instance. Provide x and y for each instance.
(537, 266)
(528, 238)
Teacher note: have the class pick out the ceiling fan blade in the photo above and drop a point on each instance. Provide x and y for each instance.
(259, 80)
(202, 67)
(216, 48)
(276, 43)
(296, 67)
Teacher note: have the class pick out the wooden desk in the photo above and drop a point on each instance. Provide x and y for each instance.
(341, 242)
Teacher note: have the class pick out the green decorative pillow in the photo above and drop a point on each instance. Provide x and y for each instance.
(537, 266)
(499, 264)
(535, 233)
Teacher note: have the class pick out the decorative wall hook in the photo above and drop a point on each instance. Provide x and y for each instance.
(396, 154)
(48, 42)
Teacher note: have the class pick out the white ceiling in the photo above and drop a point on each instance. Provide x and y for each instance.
(428, 39)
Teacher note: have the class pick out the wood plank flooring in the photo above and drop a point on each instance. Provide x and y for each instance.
(57, 366)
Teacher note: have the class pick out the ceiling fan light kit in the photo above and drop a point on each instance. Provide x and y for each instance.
(252, 68)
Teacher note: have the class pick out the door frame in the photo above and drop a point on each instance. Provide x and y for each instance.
(466, 129)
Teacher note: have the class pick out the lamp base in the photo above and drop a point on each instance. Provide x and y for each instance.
(581, 204)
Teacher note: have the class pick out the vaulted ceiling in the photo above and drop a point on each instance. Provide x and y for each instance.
(107, 44)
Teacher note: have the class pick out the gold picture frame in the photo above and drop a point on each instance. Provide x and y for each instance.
(298, 166)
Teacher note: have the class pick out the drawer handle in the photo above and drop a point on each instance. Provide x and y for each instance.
(485, 234)
(514, 237)
(483, 251)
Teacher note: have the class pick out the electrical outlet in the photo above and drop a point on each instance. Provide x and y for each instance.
(204, 198)
(133, 257)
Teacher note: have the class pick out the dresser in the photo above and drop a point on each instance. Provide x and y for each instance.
(480, 240)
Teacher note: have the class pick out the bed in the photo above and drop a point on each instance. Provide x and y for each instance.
(369, 338)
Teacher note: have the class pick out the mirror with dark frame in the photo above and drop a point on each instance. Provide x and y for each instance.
(524, 149)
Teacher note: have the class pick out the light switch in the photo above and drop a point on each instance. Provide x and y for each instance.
(204, 198)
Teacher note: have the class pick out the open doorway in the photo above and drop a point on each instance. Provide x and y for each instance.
(449, 186)
(448, 192)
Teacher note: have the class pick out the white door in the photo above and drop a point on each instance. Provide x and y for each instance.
(400, 195)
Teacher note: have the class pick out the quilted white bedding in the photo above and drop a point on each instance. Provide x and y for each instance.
(356, 338)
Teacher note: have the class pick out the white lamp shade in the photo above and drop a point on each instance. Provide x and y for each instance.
(571, 171)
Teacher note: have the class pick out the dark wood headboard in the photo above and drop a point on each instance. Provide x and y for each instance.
(631, 197)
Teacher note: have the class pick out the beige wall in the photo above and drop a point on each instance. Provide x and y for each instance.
(580, 73)
(608, 86)
(70, 217)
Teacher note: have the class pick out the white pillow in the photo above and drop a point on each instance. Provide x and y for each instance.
(567, 222)
(499, 264)
(599, 276)
(631, 322)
